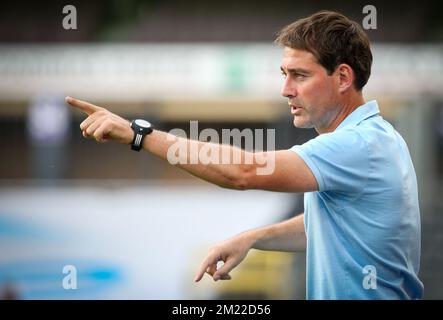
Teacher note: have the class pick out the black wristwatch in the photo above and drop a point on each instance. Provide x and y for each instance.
(141, 129)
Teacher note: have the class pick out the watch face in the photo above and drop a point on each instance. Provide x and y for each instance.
(142, 123)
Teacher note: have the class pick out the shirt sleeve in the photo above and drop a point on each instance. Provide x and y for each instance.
(339, 160)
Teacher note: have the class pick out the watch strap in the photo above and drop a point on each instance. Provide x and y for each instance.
(137, 141)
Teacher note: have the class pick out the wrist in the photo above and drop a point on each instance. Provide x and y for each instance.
(141, 129)
(147, 140)
(250, 238)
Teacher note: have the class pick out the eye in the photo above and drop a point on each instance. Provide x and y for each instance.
(284, 74)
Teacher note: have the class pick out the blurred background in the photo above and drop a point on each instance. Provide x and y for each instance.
(133, 227)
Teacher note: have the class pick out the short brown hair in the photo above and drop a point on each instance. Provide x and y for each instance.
(333, 39)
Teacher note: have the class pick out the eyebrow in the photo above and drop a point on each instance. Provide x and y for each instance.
(296, 70)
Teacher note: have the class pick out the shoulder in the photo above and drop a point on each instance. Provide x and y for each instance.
(346, 139)
(338, 159)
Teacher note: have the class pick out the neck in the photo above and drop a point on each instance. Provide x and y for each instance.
(345, 108)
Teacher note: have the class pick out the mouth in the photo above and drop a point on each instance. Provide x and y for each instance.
(295, 109)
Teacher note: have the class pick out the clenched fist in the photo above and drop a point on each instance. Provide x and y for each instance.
(101, 124)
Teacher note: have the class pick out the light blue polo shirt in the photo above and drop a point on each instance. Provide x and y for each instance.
(363, 225)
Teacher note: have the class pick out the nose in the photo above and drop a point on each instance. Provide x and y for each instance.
(289, 89)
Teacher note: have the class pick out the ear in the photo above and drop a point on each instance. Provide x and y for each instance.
(345, 77)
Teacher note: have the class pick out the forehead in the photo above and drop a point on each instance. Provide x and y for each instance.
(296, 58)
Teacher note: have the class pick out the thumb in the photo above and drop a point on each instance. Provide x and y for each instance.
(223, 272)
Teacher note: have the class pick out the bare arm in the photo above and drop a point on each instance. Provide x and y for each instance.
(287, 236)
(281, 170)
(274, 170)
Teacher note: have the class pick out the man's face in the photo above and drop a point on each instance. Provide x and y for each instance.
(312, 94)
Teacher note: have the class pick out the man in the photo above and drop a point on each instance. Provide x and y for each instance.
(361, 225)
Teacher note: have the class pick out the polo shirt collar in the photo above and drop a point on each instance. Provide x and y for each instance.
(362, 112)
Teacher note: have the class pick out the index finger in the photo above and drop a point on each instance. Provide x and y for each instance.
(84, 106)
(208, 261)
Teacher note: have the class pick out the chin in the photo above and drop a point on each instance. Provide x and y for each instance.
(298, 123)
